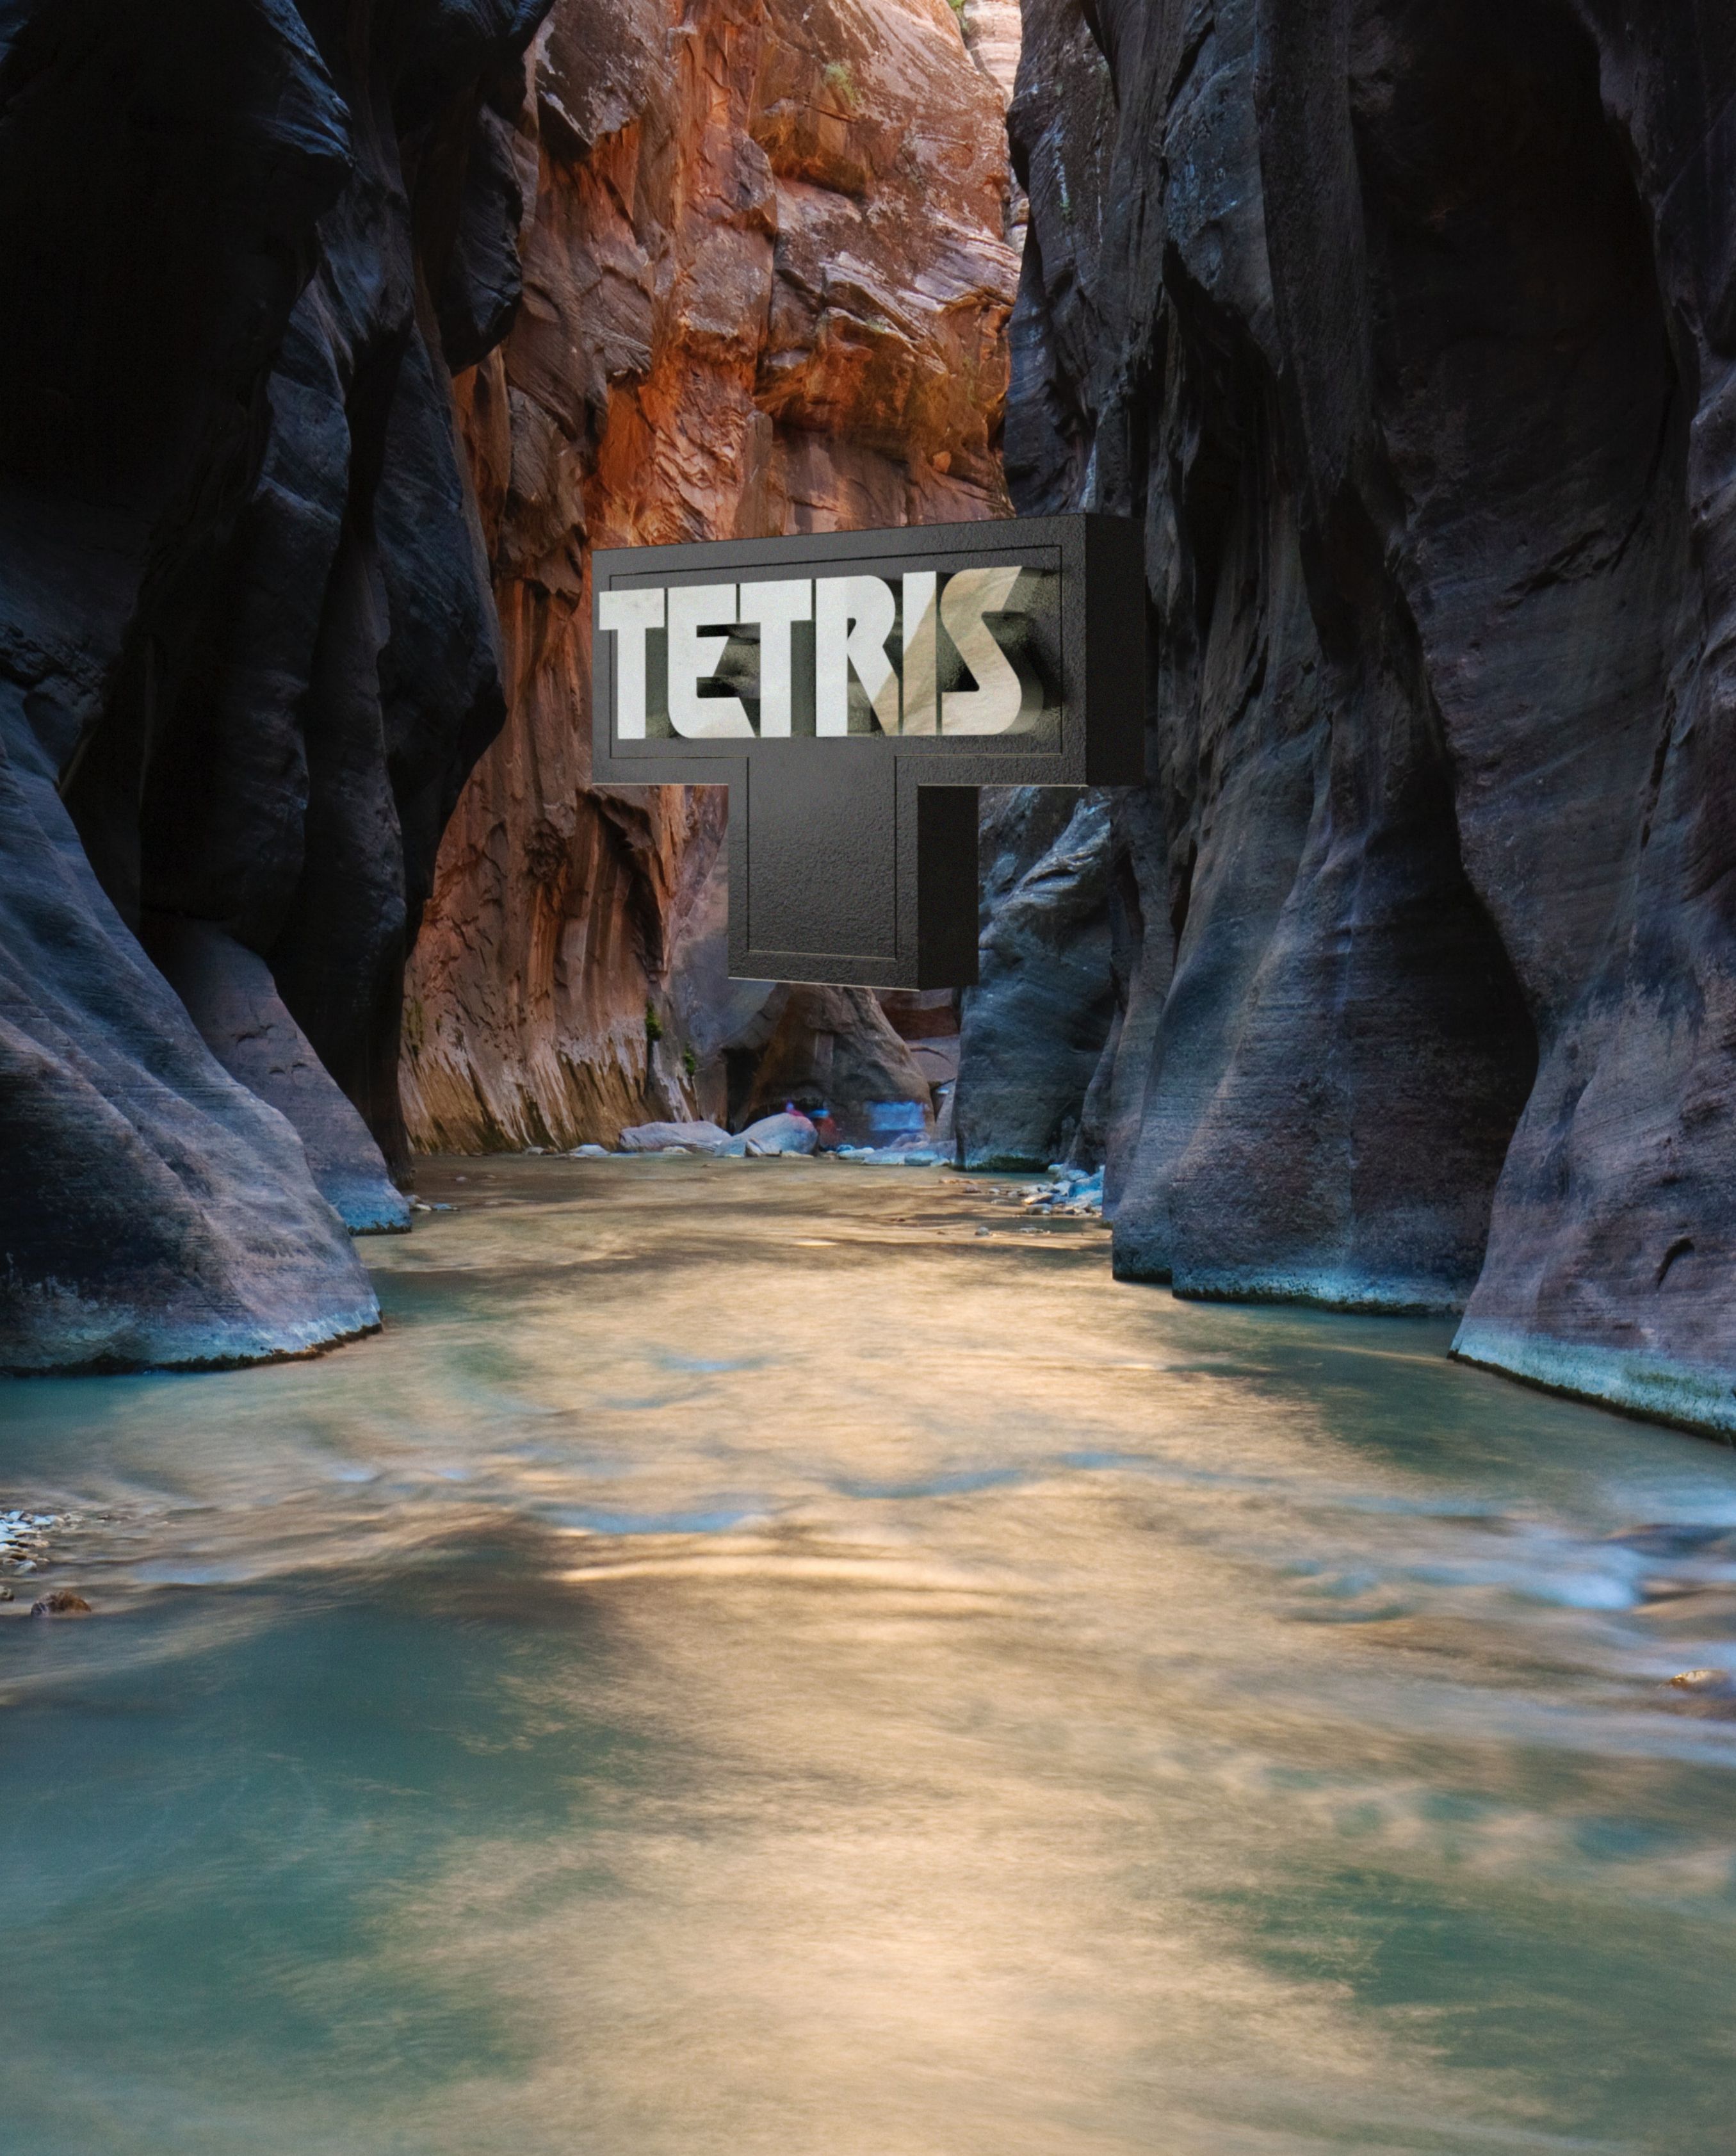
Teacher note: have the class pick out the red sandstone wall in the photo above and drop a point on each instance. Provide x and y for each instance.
(767, 283)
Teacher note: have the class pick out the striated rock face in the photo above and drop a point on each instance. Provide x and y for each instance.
(1410, 334)
(246, 644)
(1035, 1025)
(229, 994)
(994, 33)
(766, 289)
(830, 1049)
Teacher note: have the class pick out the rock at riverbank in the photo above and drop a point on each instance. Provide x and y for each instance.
(1408, 334)
(773, 1134)
(230, 996)
(246, 645)
(655, 1138)
(770, 1134)
(1034, 1026)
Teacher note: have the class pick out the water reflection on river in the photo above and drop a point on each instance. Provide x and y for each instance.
(747, 1663)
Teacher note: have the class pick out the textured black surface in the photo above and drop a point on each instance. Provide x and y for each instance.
(1409, 333)
(246, 639)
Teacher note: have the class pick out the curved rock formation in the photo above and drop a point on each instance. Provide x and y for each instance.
(1036, 1024)
(1410, 334)
(766, 289)
(246, 648)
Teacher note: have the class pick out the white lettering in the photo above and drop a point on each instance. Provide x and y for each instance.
(692, 657)
(998, 704)
(853, 616)
(921, 653)
(630, 615)
(775, 607)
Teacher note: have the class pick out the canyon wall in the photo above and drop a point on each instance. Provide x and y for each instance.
(253, 533)
(248, 651)
(767, 281)
(1410, 335)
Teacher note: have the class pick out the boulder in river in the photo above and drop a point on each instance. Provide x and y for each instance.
(1707, 1683)
(659, 1137)
(62, 1603)
(788, 1133)
(1034, 1026)
(1709, 1693)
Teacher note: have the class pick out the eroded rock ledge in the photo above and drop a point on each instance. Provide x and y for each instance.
(1410, 334)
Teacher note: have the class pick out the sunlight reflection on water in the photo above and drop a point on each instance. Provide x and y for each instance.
(744, 1664)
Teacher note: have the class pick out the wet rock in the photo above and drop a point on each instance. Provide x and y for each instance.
(1407, 333)
(1072, 1193)
(231, 997)
(62, 1603)
(1033, 1029)
(658, 1137)
(767, 289)
(1707, 1693)
(834, 1049)
(25, 1537)
(773, 1134)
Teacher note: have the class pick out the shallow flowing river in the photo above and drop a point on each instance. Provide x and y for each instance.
(748, 1662)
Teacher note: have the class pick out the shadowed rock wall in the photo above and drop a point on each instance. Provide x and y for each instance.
(766, 289)
(247, 647)
(1035, 1025)
(1410, 332)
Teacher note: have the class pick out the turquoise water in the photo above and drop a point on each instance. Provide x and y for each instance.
(746, 1662)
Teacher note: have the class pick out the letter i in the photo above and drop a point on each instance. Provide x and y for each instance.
(921, 687)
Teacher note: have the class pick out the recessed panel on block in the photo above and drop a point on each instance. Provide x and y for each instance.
(823, 827)
(834, 680)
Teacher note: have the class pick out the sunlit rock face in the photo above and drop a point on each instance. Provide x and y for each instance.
(767, 282)
(1410, 332)
(246, 648)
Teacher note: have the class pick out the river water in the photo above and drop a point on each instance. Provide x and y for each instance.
(747, 1662)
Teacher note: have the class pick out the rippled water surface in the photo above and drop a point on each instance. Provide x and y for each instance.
(746, 1662)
